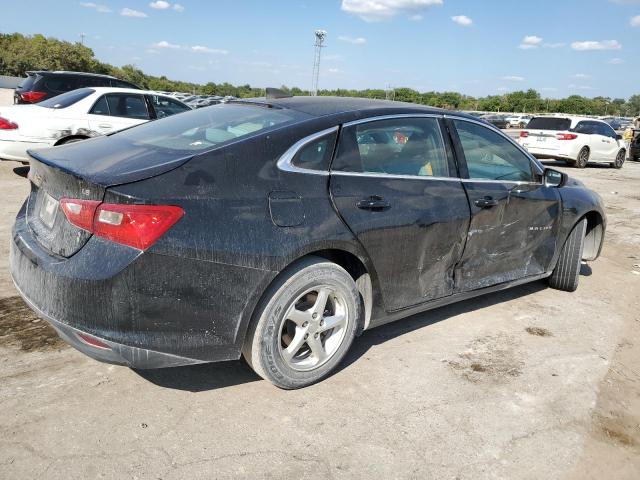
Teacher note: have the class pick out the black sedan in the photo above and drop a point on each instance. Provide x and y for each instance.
(497, 121)
(282, 229)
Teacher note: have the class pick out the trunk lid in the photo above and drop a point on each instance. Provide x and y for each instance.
(543, 140)
(84, 170)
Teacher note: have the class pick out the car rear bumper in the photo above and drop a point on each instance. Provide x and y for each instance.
(150, 310)
(17, 150)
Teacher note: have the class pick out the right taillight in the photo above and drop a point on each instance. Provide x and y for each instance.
(32, 97)
(6, 124)
(524, 134)
(137, 226)
(566, 136)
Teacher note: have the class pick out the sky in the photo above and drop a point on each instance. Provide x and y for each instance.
(476, 47)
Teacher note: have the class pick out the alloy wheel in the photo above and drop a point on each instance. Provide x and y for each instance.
(313, 328)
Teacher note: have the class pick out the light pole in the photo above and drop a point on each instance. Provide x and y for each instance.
(320, 36)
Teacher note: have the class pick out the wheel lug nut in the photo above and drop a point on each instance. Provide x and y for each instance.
(305, 324)
(315, 335)
(314, 316)
(321, 322)
(306, 335)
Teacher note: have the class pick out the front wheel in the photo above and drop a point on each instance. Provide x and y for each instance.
(567, 272)
(619, 161)
(305, 325)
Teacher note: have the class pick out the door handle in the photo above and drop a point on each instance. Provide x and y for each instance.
(105, 125)
(486, 202)
(374, 202)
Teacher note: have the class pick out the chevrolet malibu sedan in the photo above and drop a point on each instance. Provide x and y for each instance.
(281, 229)
(78, 115)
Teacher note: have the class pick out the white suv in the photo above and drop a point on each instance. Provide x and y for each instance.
(518, 121)
(576, 140)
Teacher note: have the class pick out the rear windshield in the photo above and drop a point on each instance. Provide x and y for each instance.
(549, 123)
(65, 100)
(202, 129)
(27, 83)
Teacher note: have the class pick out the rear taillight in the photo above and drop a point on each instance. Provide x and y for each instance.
(524, 134)
(137, 226)
(566, 136)
(7, 124)
(33, 97)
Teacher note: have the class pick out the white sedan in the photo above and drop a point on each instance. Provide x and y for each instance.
(77, 115)
(576, 140)
(518, 121)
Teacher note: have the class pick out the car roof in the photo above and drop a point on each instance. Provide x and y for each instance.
(574, 119)
(325, 106)
(102, 90)
(68, 72)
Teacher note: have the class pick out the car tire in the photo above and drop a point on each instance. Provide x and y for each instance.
(583, 158)
(567, 272)
(619, 161)
(290, 342)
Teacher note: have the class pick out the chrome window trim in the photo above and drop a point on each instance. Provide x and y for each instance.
(393, 117)
(532, 159)
(393, 176)
(285, 161)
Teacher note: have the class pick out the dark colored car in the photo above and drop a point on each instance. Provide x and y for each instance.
(634, 148)
(281, 229)
(497, 120)
(42, 84)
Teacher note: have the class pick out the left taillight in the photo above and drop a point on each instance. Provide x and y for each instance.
(137, 226)
(6, 124)
(33, 97)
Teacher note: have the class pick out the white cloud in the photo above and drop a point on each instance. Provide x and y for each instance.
(462, 20)
(616, 61)
(334, 70)
(513, 78)
(581, 75)
(353, 40)
(635, 21)
(530, 42)
(165, 44)
(416, 17)
(128, 12)
(160, 5)
(376, 10)
(548, 89)
(580, 87)
(202, 49)
(95, 6)
(593, 45)
(178, 8)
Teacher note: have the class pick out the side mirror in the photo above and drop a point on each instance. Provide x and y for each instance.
(554, 178)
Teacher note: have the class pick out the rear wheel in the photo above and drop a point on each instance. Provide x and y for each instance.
(567, 272)
(583, 158)
(305, 325)
(619, 161)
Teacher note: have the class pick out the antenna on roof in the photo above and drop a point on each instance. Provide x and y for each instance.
(320, 36)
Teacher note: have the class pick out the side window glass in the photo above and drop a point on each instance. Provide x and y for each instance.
(490, 156)
(403, 146)
(166, 107)
(127, 105)
(100, 107)
(582, 127)
(317, 154)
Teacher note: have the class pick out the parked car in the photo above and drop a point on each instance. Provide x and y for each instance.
(78, 115)
(496, 120)
(576, 140)
(518, 121)
(634, 148)
(40, 85)
(235, 229)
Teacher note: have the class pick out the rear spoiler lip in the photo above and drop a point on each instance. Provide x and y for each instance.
(129, 177)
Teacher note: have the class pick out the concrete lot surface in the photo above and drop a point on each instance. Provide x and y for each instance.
(6, 97)
(530, 383)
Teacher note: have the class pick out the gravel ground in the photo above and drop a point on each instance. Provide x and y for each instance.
(526, 383)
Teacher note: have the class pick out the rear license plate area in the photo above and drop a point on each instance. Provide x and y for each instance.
(48, 210)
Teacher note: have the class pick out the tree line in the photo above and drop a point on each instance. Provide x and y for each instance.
(20, 53)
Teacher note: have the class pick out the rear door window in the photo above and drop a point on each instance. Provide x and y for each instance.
(61, 83)
(101, 107)
(549, 123)
(127, 105)
(401, 146)
(317, 154)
